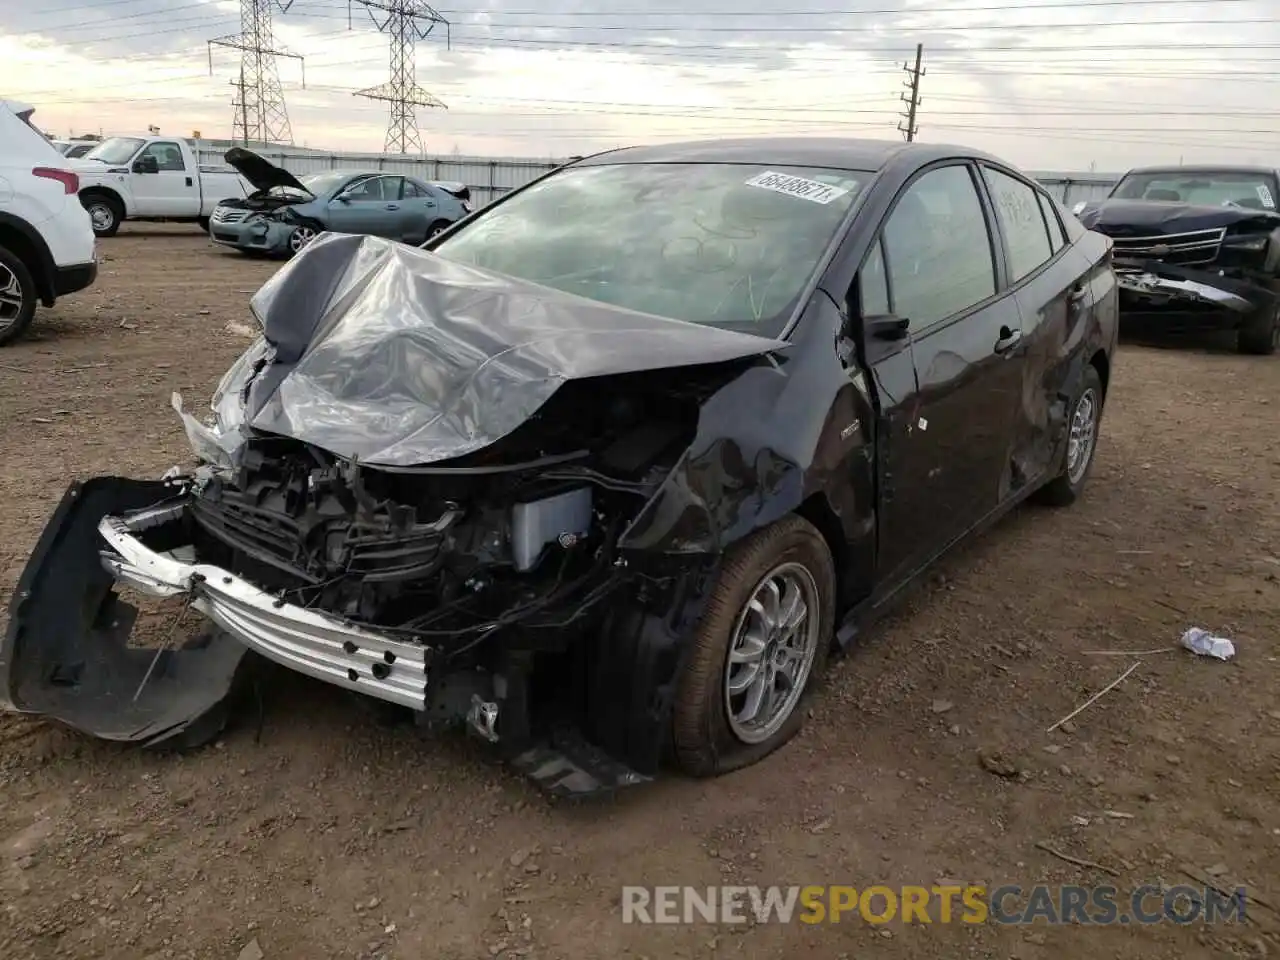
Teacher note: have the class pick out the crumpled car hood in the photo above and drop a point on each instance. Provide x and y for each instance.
(1122, 218)
(395, 356)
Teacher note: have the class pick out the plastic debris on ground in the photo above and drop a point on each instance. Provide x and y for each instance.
(1205, 644)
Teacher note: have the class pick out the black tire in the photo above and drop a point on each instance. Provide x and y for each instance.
(105, 212)
(16, 283)
(1065, 488)
(436, 227)
(307, 228)
(203, 223)
(703, 736)
(1260, 336)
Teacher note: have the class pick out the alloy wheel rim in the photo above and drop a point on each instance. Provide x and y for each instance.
(771, 652)
(1084, 429)
(100, 216)
(11, 297)
(300, 237)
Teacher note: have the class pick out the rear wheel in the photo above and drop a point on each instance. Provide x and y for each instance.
(18, 296)
(105, 213)
(437, 227)
(1261, 335)
(763, 638)
(1083, 421)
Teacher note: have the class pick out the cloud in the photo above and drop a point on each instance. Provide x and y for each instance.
(1048, 85)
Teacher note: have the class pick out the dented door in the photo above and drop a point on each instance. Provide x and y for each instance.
(965, 336)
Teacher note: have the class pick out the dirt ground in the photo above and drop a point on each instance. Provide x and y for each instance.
(312, 831)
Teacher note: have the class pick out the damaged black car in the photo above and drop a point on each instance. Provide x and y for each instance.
(604, 473)
(1196, 248)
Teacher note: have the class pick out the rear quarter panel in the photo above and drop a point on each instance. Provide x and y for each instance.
(1063, 336)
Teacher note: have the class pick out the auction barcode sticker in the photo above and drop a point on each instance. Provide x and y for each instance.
(1264, 194)
(797, 186)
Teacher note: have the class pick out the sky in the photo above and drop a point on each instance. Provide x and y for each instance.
(1050, 85)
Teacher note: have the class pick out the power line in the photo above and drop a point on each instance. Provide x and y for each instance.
(715, 56)
(666, 28)
(772, 15)
(792, 112)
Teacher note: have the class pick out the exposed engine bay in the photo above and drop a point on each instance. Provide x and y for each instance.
(522, 534)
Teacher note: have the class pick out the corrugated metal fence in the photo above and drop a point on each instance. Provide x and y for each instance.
(490, 177)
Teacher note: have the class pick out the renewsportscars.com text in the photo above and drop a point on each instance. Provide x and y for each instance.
(972, 904)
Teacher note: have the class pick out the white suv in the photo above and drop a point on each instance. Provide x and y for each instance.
(46, 239)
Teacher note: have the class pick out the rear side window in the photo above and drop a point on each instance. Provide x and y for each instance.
(1022, 222)
(1057, 239)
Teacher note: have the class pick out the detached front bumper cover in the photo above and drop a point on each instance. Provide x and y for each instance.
(66, 651)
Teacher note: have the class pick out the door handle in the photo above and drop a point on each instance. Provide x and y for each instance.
(188, 181)
(393, 206)
(1008, 340)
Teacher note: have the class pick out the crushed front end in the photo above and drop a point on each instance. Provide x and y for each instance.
(1219, 270)
(493, 588)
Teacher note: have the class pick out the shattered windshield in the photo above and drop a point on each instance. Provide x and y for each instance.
(1256, 191)
(712, 243)
(115, 150)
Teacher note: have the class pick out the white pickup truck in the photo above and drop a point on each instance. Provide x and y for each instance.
(151, 178)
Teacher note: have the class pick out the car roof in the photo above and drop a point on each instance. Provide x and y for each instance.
(842, 153)
(1203, 168)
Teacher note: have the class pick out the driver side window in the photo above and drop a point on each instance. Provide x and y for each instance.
(937, 248)
(168, 155)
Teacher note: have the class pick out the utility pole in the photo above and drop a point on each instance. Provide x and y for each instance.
(407, 21)
(912, 97)
(260, 115)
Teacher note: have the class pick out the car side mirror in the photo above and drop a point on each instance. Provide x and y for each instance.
(886, 327)
(147, 164)
(342, 198)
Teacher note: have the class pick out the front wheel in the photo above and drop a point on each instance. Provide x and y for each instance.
(302, 236)
(1261, 335)
(1083, 421)
(764, 636)
(18, 296)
